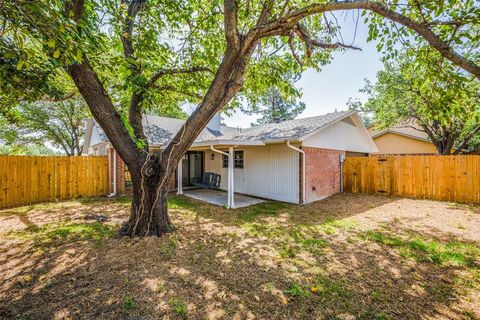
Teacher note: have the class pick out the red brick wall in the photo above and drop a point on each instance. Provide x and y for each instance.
(322, 173)
(120, 169)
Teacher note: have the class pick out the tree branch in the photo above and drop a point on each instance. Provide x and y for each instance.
(228, 81)
(136, 99)
(64, 98)
(419, 8)
(264, 15)
(302, 32)
(232, 35)
(74, 9)
(412, 127)
(283, 24)
(49, 99)
(103, 110)
(173, 89)
(292, 49)
(134, 8)
(99, 102)
(173, 71)
(466, 140)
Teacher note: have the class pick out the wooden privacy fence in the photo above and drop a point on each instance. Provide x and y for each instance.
(30, 179)
(449, 178)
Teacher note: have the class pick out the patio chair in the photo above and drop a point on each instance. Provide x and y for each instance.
(210, 180)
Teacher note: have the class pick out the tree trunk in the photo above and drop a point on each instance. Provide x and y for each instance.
(444, 147)
(149, 211)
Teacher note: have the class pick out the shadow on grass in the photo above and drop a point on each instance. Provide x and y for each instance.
(421, 249)
(123, 199)
(48, 234)
(215, 267)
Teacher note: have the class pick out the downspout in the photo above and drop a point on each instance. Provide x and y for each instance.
(303, 169)
(114, 174)
(230, 200)
(342, 160)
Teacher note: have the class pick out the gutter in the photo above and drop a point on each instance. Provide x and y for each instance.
(303, 169)
(235, 143)
(219, 151)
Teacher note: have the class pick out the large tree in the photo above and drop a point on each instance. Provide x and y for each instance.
(59, 123)
(274, 108)
(277, 103)
(139, 53)
(431, 96)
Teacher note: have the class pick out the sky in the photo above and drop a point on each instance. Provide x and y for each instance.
(331, 88)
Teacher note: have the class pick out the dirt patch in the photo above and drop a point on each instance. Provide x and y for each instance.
(346, 257)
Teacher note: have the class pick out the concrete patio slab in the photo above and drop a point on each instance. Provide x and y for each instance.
(219, 197)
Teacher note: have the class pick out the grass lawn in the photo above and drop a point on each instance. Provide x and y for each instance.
(346, 257)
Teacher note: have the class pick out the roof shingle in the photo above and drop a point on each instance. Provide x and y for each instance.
(161, 130)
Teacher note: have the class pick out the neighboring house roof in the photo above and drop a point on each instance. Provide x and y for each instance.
(403, 130)
(161, 130)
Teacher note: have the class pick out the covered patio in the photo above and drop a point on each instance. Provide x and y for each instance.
(212, 193)
(220, 198)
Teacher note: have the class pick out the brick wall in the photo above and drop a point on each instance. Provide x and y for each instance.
(322, 173)
(120, 170)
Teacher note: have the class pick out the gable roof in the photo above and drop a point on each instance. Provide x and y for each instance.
(161, 130)
(286, 130)
(410, 130)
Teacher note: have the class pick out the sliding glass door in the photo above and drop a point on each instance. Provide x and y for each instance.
(192, 167)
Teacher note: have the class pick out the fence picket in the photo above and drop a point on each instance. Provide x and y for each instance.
(448, 178)
(31, 179)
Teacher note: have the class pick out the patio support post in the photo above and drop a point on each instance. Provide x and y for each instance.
(231, 192)
(179, 177)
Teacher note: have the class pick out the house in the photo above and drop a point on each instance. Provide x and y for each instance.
(295, 161)
(402, 139)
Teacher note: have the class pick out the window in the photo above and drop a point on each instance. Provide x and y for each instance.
(224, 161)
(237, 160)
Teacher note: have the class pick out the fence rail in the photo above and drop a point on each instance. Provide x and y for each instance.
(448, 178)
(31, 179)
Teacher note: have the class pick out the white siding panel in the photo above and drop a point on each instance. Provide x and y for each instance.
(95, 138)
(340, 136)
(270, 171)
